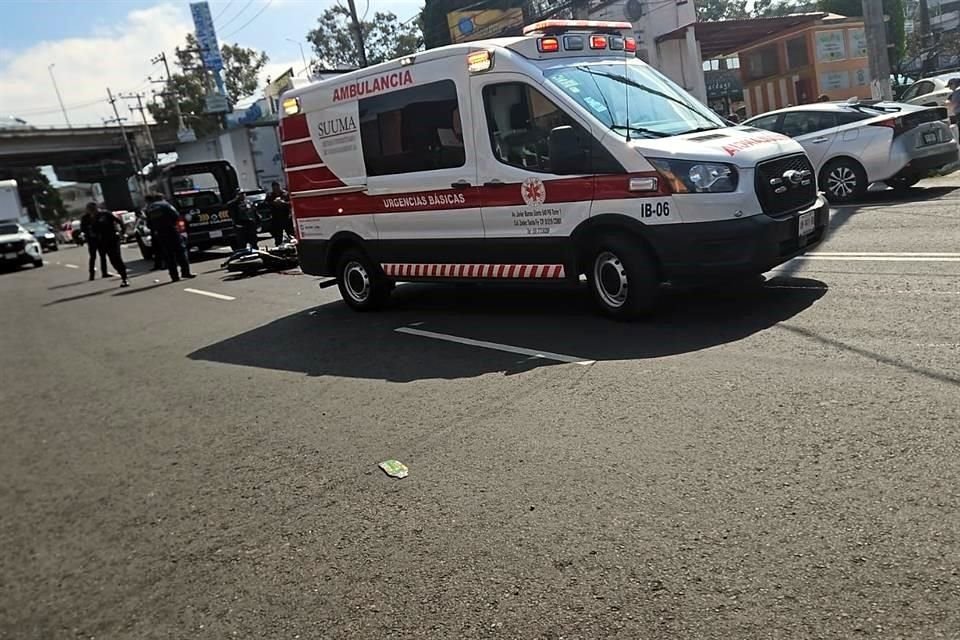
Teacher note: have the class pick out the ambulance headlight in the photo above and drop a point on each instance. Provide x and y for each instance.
(685, 176)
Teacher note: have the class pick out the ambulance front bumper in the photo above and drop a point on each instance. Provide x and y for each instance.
(738, 247)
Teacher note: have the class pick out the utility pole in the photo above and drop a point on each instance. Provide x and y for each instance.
(143, 114)
(182, 133)
(302, 57)
(56, 89)
(358, 33)
(926, 39)
(134, 160)
(876, 32)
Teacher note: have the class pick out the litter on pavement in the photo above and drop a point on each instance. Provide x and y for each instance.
(394, 468)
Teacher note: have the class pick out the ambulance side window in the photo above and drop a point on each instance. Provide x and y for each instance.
(519, 119)
(411, 130)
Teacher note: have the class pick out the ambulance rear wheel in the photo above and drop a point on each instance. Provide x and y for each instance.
(623, 278)
(361, 284)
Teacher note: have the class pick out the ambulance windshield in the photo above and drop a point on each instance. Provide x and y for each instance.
(633, 99)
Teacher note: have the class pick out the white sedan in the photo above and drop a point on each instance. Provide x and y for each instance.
(855, 144)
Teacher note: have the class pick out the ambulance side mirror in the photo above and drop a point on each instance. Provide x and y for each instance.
(566, 155)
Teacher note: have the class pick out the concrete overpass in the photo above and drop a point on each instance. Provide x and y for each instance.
(84, 154)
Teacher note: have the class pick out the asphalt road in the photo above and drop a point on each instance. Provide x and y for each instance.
(776, 463)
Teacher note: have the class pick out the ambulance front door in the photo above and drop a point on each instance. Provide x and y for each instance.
(421, 167)
(529, 210)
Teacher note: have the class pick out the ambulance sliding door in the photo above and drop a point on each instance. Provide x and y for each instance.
(421, 166)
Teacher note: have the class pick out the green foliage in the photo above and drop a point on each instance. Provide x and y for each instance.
(33, 182)
(384, 38)
(713, 10)
(241, 70)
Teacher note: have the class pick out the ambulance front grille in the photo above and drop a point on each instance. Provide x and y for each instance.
(780, 196)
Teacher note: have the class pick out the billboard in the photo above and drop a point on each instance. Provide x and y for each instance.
(476, 25)
(206, 36)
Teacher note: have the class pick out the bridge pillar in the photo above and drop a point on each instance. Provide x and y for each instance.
(116, 193)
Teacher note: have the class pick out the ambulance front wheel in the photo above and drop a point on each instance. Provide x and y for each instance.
(623, 278)
(361, 283)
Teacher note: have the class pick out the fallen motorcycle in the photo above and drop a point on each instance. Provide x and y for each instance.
(253, 261)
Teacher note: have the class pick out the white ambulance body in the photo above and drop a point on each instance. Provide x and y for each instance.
(537, 158)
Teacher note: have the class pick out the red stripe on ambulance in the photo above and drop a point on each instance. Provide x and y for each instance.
(294, 128)
(492, 271)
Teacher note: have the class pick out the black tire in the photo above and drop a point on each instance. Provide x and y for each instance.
(623, 277)
(362, 284)
(901, 185)
(37, 264)
(843, 180)
(55, 247)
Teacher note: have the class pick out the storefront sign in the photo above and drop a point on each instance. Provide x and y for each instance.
(831, 46)
(858, 43)
(834, 80)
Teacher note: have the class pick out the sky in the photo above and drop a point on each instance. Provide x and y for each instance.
(95, 44)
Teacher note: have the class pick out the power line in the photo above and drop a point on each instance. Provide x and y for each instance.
(225, 7)
(247, 23)
(236, 15)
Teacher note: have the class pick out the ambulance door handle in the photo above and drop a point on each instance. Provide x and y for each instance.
(461, 184)
(495, 183)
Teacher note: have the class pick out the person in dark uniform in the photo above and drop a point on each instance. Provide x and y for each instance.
(88, 226)
(163, 218)
(107, 230)
(245, 220)
(278, 202)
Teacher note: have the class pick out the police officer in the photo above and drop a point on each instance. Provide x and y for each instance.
(88, 226)
(278, 203)
(163, 218)
(245, 220)
(107, 229)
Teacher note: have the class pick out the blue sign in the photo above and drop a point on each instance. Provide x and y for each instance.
(206, 36)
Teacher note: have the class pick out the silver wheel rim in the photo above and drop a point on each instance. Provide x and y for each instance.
(356, 281)
(610, 279)
(842, 181)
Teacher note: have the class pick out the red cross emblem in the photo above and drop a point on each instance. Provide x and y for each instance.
(533, 191)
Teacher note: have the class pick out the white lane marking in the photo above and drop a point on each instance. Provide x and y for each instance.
(931, 292)
(71, 266)
(209, 294)
(879, 258)
(877, 254)
(546, 355)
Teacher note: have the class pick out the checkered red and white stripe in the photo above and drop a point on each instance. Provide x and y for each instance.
(493, 271)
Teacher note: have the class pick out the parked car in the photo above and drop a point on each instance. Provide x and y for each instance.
(44, 235)
(76, 233)
(18, 246)
(855, 144)
(257, 199)
(930, 92)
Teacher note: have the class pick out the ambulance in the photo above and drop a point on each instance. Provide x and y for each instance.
(557, 155)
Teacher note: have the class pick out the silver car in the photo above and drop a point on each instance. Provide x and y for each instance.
(930, 92)
(855, 144)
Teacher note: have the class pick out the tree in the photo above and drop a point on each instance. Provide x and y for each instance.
(713, 10)
(35, 189)
(774, 8)
(241, 70)
(384, 38)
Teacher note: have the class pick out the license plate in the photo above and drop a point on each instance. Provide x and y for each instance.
(216, 234)
(9, 256)
(807, 223)
(931, 137)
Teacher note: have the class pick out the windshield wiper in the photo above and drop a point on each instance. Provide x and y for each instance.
(649, 132)
(698, 130)
(633, 83)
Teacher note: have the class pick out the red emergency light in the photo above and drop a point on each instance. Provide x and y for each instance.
(630, 45)
(598, 42)
(550, 44)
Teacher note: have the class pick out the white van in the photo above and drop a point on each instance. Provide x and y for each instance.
(537, 158)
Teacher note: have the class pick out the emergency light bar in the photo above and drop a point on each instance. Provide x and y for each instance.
(560, 26)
